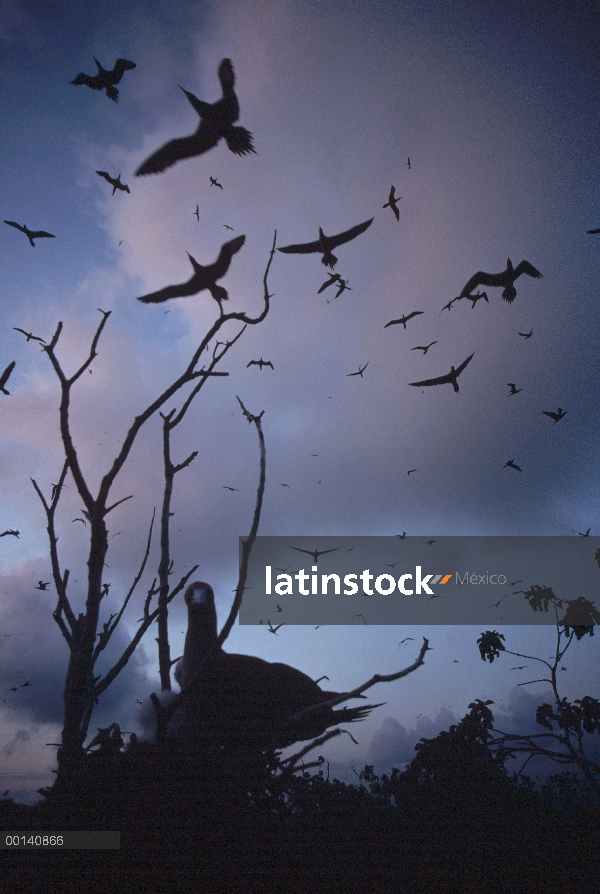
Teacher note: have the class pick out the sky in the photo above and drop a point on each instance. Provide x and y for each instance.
(497, 106)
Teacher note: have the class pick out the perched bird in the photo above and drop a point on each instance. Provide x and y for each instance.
(404, 320)
(511, 463)
(215, 182)
(450, 378)
(197, 213)
(359, 371)
(105, 80)
(216, 122)
(240, 701)
(326, 244)
(29, 335)
(556, 416)
(526, 334)
(423, 348)
(260, 363)
(335, 277)
(116, 184)
(343, 286)
(42, 585)
(5, 377)
(504, 280)
(513, 388)
(203, 278)
(392, 203)
(315, 553)
(31, 234)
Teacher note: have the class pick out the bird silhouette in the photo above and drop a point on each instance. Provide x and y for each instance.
(105, 80)
(274, 629)
(226, 487)
(12, 533)
(404, 320)
(429, 542)
(335, 277)
(424, 348)
(315, 553)
(556, 416)
(449, 379)
(401, 536)
(25, 684)
(326, 244)
(497, 604)
(475, 298)
(587, 533)
(526, 334)
(42, 585)
(240, 701)
(519, 667)
(197, 213)
(227, 227)
(359, 371)
(215, 182)
(449, 305)
(260, 363)
(360, 616)
(511, 463)
(408, 163)
(216, 123)
(504, 280)
(31, 234)
(392, 203)
(513, 388)
(406, 638)
(203, 278)
(115, 183)
(29, 335)
(411, 470)
(278, 607)
(342, 288)
(5, 377)
(594, 231)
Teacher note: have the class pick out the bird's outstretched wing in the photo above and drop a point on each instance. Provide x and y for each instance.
(106, 176)
(94, 81)
(529, 269)
(303, 248)
(177, 291)
(465, 363)
(17, 226)
(335, 277)
(39, 233)
(404, 319)
(5, 377)
(448, 378)
(120, 66)
(174, 151)
(352, 233)
(221, 265)
(481, 279)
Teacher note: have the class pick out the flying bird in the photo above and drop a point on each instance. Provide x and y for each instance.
(587, 533)
(315, 553)
(343, 286)
(423, 348)
(497, 604)
(335, 277)
(556, 416)
(226, 487)
(411, 470)
(392, 203)
(105, 80)
(115, 183)
(406, 638)
(526, 334)
(5, 377)
(450, 378)
(401, 536)
(511, 463)
(227, 227)
(404, 320)
(504, 280)
(12, 533)
(519, 667)
(326, 244)
(408, 163)
(216, 123)
(240, 701)
(513, 388)
(203, 278)
(429, 542)
(475, 298)
(25, 684)
(197, 213)
(260, 363)
(360, 616)
(359, 371)
(215, 182)
(29, 335)
(274, 629)
(594, 231)
(278, 607)
(31, 234)
(42, 585)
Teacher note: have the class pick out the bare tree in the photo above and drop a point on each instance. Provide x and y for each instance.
(82, 687)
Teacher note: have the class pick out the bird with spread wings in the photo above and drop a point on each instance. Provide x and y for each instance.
(31, 234)
(203, 278)
(115, 182)
(105, 80)
(504, 280)
(325, 244)
(216, 123)
(449, 379)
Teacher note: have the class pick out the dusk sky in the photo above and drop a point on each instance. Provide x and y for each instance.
(497, 104)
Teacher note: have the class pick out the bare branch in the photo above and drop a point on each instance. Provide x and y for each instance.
(118, 503)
